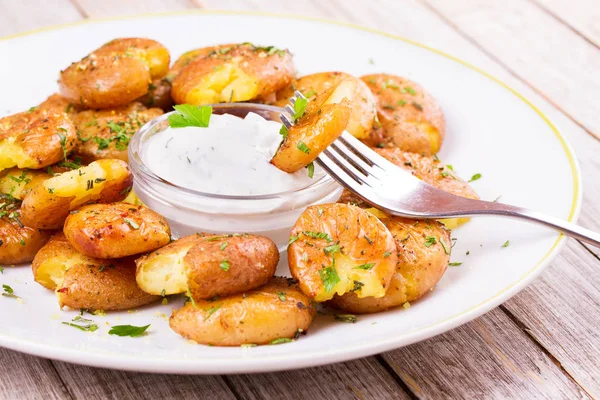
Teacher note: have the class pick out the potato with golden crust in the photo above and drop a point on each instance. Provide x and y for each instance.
(115, 74)
(208, 265)
(36, 138)
(363, 103)
(423, 248)
(163, 270)
(317, 125)
(18, 243)
(239, 72)
(159, 95)
(116, 230)
(408, 117)
(275, 311)
(107, 287)
(340, 248)
(106, 133)
(17, 182)
(48, 204)
(223, 265)
(55, 258)
(56, 102)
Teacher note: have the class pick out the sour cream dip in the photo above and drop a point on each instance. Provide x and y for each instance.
(229, 157)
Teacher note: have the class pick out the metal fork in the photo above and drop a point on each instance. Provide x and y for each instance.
(396, 191)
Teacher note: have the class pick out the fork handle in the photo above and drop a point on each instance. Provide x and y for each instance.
(568, 228)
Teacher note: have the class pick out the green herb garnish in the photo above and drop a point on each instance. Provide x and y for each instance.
(366, 267)
(348, 318)
(329, 276)
(455, 264)
(311, 169)
(317, 235)
(134, 225)
(475, 177)
(299, 108)
(429, 240)
(281, 341)
(224, 265)
(506, 243)
(303, 147)
(190, 115)
(128, 330)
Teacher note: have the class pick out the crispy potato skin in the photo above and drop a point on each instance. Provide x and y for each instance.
(324, 120)
(159, 95)
(106, 133)
(36, 138)
(115, 74)
(163, 270)
(56, 257)
(419, 267)
(273, 311)
(19, 243)
(363, 103)
(116, 230)
(239, 72)
(429, 170)
(410, 118)
(230, 265)
(363, 240)
(108, 288)
(48, 204)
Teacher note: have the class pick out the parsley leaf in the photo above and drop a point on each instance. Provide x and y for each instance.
(224, 265)
(455, 264)
(128, 330)
(190, 115)
(83, 324)
(317, 235)
(366, 267)
(329, 276)
(303, 147)
(506, 243)
(311, 169)
(299, 108)
(475, 177)
(429, 240)
(334, 248)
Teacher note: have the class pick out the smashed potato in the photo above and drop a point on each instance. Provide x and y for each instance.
(208, 265)
(408, 117)
(239, 72)
(274, 313)
(423, 248)
(18, 243)
(106, 133)
(316, 127)
(224, 265)
(107, 287)
(159, 95)
(363, 103)
(18, 182)
(340, 248)
(116, 230)
(48, 204)
(115, 74)
(55, 258)
(36, 138)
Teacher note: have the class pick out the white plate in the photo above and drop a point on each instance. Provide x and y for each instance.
(490, 130)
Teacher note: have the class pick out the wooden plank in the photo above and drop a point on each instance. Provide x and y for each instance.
(560, 311)
(542, 50)
(359, 379)
(111, 8)
(487, 358)
(95, 383)
(19, 16)
(28, 377)
(581, 15)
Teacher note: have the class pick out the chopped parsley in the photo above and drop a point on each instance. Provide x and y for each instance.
(9, 292)
(455, 264)
(401, 102)
(506, 244)
(417, 106)
(299, 108)
(223, 246)
(357, 286)
(311, 169)
(475, 177)
(281, 341)
(410, 90)
(83, 324)
(293, 239)
(281, 296)
(134, 225)
(329, 276)
(317, 235)
(387, 254)
(128, 330)
(303, 147)
(283, 131)
(429, 240)
(224, 265)
(210, 311)
(445, 246)
(63, 142)
(334, 248)
(366, 267)
(348, 318)
(190, 115)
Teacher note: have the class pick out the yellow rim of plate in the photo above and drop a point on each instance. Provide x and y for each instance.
(567, 149)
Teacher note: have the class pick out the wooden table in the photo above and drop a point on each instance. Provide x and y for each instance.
(543, 343)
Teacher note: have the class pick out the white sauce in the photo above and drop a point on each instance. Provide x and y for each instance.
(229, 157)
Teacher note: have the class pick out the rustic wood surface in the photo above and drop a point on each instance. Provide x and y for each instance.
(543, 343)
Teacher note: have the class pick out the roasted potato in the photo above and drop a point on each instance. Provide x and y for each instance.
(186, 58)
(17, 182)
(163, 270)
(275, 311)
(116, 230)
(208, 265)
(363, 103)
(106, 133)
(56, 257)
(48, 204)
(18, 243)
(423, 248)
(36, 138)
(107, 287)
(115, 74)
(58, 103)
(408, 117)
(317, 126)
(159, 95)
(239, 72)
(223, 265)
(340, 248)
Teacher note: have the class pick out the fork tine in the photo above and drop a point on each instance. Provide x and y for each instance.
(299, 94)
(349, 181)
(359, 149)
(286, 120)
(352, 162)
(358, 160)
(289, 109)
(348, 169)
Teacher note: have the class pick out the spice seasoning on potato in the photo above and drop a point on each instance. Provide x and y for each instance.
(407, 116)
(340, 248)
(274, 313)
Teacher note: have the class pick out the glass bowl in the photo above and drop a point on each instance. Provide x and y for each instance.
(190, 211)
